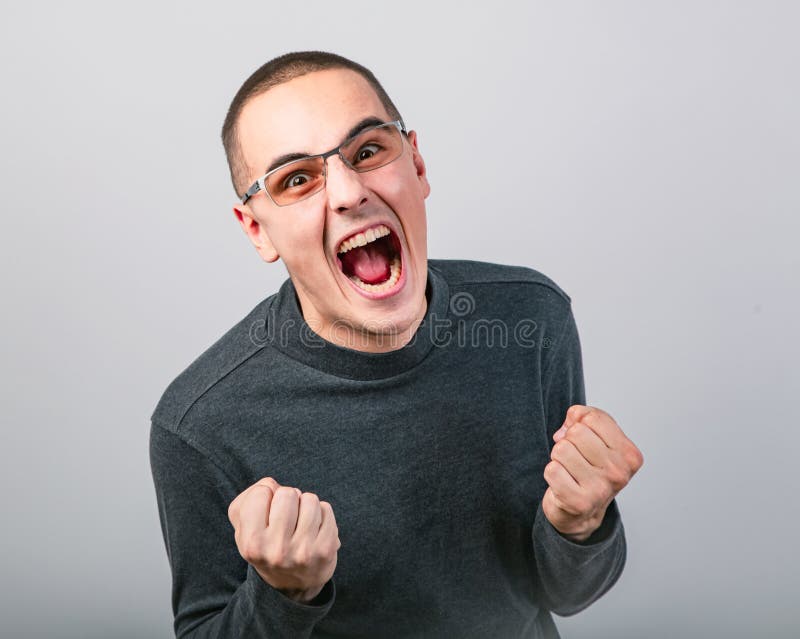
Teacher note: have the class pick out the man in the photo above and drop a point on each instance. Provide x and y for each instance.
(388, 446)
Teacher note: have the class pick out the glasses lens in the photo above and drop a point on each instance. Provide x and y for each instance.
(296, 181)
(373, 148)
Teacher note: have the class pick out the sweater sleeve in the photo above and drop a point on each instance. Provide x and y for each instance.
(215, 592)
(573, 575)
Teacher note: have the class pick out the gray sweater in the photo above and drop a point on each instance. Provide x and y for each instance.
(431, 456)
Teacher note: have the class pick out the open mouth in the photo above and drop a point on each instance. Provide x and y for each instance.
(371, 259)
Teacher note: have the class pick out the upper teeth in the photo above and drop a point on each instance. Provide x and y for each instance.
(360, 239)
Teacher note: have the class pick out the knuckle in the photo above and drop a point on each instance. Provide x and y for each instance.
(262, 489)
(310, 498)
(268, 483)
(250, 550)
(559, 449)
(615, 476)
(620, 474)
(303, 556)
(634, 457)
(590, 419)
(275, 555)
(329, 549)
(578, 429)
(285, 491)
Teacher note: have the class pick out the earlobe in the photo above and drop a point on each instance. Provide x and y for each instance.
(255, 231)
(419, 164)
(267, 251)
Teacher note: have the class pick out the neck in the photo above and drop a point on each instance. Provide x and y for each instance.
(361, 338)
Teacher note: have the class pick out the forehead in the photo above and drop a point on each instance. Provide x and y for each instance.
(309, 114)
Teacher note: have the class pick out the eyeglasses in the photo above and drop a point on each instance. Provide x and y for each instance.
(294, 181)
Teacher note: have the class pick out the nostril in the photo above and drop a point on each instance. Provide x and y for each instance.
(344, 209)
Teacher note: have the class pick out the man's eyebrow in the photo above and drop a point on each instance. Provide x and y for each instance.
(358, 128)
(283, 159)
(364, 124)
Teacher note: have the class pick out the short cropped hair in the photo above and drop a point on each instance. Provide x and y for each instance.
(277, 71)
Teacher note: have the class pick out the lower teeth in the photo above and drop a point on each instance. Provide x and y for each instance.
(394, 275)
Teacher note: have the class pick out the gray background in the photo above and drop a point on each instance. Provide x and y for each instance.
(643, 154)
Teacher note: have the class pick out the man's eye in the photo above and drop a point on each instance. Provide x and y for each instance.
(295, 180)
(366, 152)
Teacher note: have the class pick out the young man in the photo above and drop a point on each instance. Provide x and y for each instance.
(388, 446)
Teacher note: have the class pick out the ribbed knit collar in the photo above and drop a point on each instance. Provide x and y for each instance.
(289, 333)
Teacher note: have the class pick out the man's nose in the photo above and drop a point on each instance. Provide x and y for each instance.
(344, 187)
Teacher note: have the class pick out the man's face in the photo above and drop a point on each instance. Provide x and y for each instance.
(309, 115)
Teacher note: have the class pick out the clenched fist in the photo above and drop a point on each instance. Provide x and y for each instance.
(591, 461)
(288, 536)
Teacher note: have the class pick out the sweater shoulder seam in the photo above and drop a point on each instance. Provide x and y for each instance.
(202, 393)
(200, 450)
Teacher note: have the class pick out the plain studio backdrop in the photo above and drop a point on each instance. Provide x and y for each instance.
(644, 155)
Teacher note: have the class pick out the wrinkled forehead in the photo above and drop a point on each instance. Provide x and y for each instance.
(309, 114)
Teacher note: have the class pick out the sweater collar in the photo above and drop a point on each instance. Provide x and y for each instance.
(290, 334)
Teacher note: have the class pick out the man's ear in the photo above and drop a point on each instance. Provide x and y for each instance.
(419, 163)
(255, 231)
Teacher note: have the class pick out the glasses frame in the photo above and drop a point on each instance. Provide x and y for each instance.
(260, 183)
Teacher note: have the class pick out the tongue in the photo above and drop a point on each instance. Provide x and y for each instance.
(369, 263)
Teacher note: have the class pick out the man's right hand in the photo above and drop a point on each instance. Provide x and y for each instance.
(288, 536)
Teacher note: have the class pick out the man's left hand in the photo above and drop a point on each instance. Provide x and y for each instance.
(591, 461)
